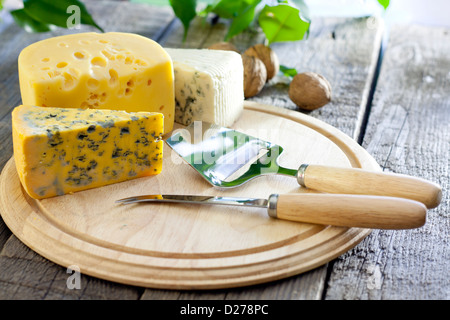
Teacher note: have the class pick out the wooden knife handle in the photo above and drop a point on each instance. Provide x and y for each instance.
(362, 211)
(359, 181)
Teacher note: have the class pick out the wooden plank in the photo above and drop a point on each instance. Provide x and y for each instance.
(308, 286)
(341, 38)
(345, 51)
(5, 155)
(408, 132)
(25, 275)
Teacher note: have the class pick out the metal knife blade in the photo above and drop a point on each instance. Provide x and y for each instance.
(234, 201)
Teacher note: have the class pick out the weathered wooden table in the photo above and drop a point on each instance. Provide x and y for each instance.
(393, 100)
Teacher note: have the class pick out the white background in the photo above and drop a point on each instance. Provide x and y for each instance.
(425, 12)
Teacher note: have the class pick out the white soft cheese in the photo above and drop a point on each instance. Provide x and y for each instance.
(208, 85)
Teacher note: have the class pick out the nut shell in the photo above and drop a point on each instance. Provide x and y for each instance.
(224, 46)
(310, 91)
(255, 75)
(267, 56)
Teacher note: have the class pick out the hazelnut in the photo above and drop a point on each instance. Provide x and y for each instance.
(255, 75)
(310, 90)
(267, 56)
(224, 46)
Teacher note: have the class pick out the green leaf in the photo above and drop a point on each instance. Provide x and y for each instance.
(241, 14)
(230, 9)
(243, 19)
(59, 12)
(384, 3)
(288, 72)
(185, 10)
(28, 23)
(282, 23)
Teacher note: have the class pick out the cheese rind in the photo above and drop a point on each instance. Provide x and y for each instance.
(118, 71)
(64, 150)
(208, 85)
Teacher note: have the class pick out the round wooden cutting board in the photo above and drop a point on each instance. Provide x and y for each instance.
(179, 246)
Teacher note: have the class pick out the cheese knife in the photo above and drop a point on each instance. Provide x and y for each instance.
(363, 211)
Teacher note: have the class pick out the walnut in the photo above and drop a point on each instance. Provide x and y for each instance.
(255, 75)
(267, 56)
(224, 46)
(310, 90)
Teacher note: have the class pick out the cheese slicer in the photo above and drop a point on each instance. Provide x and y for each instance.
(228, 158)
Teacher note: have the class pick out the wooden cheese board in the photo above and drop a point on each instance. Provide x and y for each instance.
(180, 246)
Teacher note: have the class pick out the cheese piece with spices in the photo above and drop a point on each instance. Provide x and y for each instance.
(64, 150)
(209, 85)
(118, 71)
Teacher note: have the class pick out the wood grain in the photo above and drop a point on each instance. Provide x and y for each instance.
(344, 112)
(28, 276)
(408, 132)
(357, 181)
(197, 247)
(350, 210)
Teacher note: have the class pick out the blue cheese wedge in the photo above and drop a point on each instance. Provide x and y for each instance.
(209, 85)
(64, 150)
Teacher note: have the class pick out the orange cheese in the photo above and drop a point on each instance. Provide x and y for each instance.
(118, 71)
(63, 150)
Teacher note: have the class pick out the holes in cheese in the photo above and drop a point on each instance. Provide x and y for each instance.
(69, 81)
(61, 65)
(105, 63)
(113, 77)
(61, 150)
(128, 60)
(79, 55)
(99, 62)
(140, 62)
(108, 55)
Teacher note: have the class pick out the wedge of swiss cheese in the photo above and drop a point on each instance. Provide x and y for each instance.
(117, 71)
(63, 150)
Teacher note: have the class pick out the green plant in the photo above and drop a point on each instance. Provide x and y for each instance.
(45, 15)
(280, 20)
